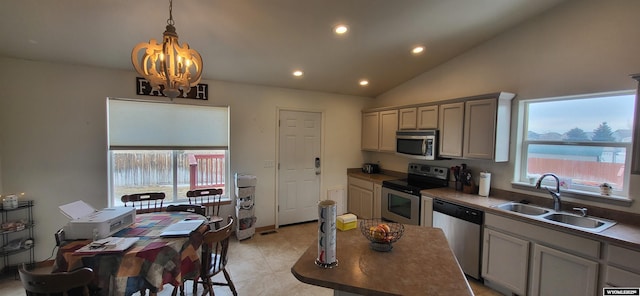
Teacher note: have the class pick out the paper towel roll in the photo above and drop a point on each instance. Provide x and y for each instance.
(485, 183)
(327, 234)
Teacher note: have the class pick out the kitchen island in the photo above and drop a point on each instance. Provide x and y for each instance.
(420, 263)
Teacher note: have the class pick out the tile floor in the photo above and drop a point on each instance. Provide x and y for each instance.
(259, 266)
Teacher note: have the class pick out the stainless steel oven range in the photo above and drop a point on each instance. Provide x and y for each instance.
(401, 198)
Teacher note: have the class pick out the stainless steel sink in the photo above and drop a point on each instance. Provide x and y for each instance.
(590, 223)
(524, 209)
(585, 223)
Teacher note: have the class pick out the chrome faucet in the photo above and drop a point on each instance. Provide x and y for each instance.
(557, 204)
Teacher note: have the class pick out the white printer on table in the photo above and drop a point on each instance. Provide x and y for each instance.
(84, 219)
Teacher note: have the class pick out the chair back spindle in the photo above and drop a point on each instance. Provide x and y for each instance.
(210, 198)
(144, 202)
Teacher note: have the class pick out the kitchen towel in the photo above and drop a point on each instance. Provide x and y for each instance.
(485, 183)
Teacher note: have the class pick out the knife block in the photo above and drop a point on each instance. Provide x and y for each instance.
(471, 188)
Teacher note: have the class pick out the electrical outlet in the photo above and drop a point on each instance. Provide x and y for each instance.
(268, 163)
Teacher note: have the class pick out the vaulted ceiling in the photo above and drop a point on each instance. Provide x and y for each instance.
(263, 41)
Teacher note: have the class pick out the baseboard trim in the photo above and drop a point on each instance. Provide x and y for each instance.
(265, 228)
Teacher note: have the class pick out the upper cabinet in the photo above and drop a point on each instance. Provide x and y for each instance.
(476, 128)
(379, 130)
(428, 117)
(479, 129)
(388, 128)
(407, 118)
(470, 128)
(370, 130)
(451, 123)
(422, 118)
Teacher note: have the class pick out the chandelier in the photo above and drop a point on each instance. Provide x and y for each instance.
(168, 66)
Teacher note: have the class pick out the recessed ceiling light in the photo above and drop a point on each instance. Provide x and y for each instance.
(417, 49)
(341, 29)
(364, 82)
(298, 73)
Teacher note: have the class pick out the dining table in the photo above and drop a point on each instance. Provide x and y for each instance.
(150, 263)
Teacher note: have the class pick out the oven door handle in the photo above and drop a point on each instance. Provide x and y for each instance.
(407, 191)
(399, 189)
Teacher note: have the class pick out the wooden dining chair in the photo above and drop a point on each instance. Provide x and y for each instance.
(197, 209)
(61, 283)
(215, 246)
(210, 198)
(144, 202)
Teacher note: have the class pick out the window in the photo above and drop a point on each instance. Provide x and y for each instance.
(170, 148)
(584, 140)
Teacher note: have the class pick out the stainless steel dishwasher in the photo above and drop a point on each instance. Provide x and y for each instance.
(463, 228)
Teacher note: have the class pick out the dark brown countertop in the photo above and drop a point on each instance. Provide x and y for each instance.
(420, 263)
(623, 234)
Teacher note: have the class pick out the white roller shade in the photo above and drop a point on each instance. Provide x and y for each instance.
(160, 125)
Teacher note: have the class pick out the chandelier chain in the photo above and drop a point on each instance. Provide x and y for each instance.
(170, 20)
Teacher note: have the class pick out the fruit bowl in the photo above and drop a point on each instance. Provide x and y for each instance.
(381, 234)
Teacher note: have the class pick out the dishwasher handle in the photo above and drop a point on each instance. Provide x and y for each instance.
(458, 211)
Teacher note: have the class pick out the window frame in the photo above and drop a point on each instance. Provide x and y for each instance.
(520, 178)
(174, 198)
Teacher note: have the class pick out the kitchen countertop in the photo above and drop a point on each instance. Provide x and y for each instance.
(420, 263)
(622, 234)
(384, 175)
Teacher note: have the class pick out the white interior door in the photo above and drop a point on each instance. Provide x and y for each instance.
(299, 168)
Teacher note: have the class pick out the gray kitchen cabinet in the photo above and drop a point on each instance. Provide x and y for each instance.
(377, 200)
(451, 124)
(559, 273)
(623, 267)
(616, 277)
(477, 128)
(427, 117)
(360, 201)
(422, 118)
(407, 118)
(379, 130)
(370, 131)
(560, 263)
(505, 261)
(426, 213)
(388, 128)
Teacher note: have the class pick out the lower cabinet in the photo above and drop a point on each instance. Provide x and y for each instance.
(524, 259)
(360, 202)
(364, 198)
(377, 201)
(426, 213)
(559, 273)
(617, 277)
(505, 261)
(623, 269)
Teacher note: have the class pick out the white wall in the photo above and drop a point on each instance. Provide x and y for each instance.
(578, 47)
(53, 140)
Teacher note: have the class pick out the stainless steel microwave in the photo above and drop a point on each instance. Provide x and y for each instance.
(419, 144)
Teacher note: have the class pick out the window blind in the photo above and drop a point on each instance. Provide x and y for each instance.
(135, 125)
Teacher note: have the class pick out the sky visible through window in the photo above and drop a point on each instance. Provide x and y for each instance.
(586, 114)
